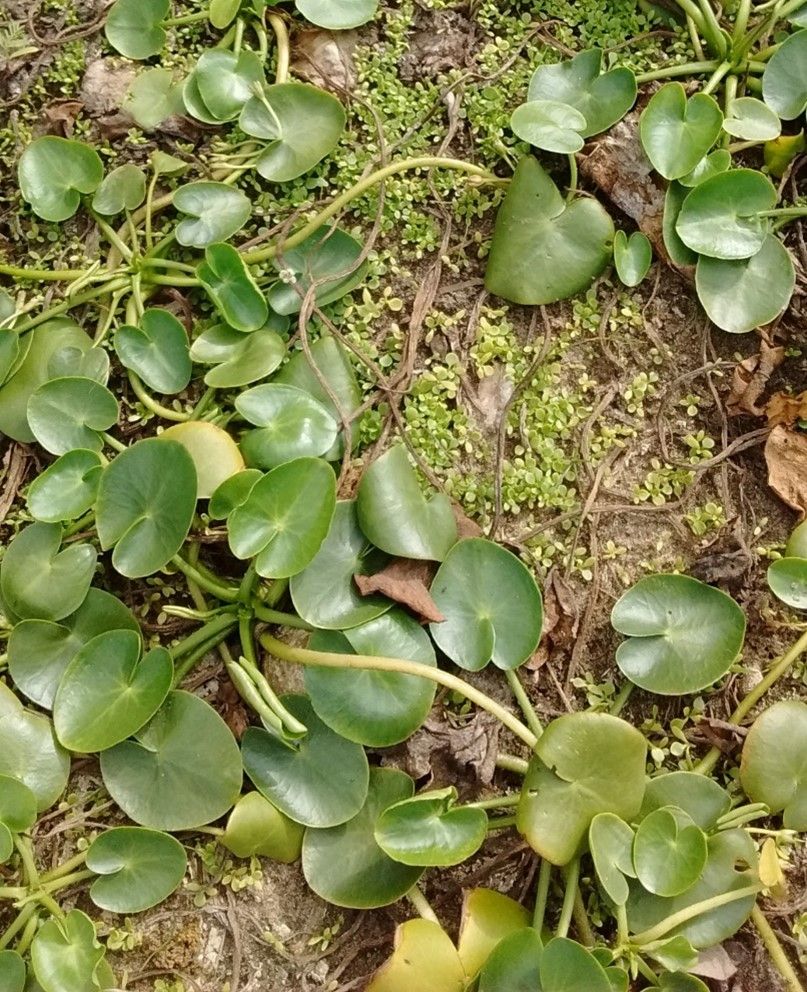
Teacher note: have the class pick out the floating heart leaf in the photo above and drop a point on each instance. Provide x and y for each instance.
(12, 972)
(123, 189)
(751, 120)
(548, 124)
(345, 866)
(698, 796)
(225, 81)
(584, 764)
(239, 359)
(567, 967)
(67, 488)
(232, 289)
(429, 829)
(71, 413)
(153, 97)
(256, 827)
(713, 164)
(39, 651)
(66, 955)
(787, 578)
(54, 172)
(337, 15)
(784, 82)
(545, 249)
(773, 769)
(215, 212)
(29, 751)
(109, 692)
(602, 99)
(214, 453)
(328, 258)
(157, 350)
(146, 501)
(133, 27)
(632, 257)
(492, 607)
(669, 852)
(324, 593)
(676, 133)
(514, 965)
(396, 517)
(138, 868)
(682, 634)
(182, 770)
(611, 842)
(488, 917)
(424, 959)
(232, 493)
(38, 581)
(318, 781)
(374, 708)
(293, 425)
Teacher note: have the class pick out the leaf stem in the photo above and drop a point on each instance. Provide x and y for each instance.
(690, 912)
(621, 699)
(148, 401)
(69, 304)
(523, 701)
(775, 950)
(66, 868)
(500, 822)
(26, 853)
(28, 934)
(46, 275)
(500, 802)
(566, 910)
(278, 617)
(421, 905)
(541, 895)
(171, 22)
(512, 763)
(278, 25)
(226, 593)
(717, 76)
(18, 924)
(581, 920)
(221, 624)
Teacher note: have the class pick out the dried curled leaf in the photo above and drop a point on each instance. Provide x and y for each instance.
(786, 455)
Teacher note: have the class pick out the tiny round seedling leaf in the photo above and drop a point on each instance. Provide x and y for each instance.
(54, 172)
(215, 212)
(784, 82)
(133, 27)
(139, 868)
(239, 359)
(683, 635)
(429, 830)
(66, 955)
(154, 97)
(18, 808)
(337, 15)
(787, 579)
(70, 413)
(633, 257)
(677, 132)
(67, 488)
(329, 259)
(773, 769)
(293, 424)
(232, 289)
(256, 827)
(122, 189)
(156, 350)
(215, 455)
(669, 852)
(750, 119)
(29, 751)
(424, 959)
(550, 125)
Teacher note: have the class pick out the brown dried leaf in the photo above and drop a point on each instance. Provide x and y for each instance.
(325, 58)
(786, 455)
(784, 409)
(465, 526)
(62, 114)
(406, 582)
(749, 379)
(440, 747)
(561, 620)
(715, 963)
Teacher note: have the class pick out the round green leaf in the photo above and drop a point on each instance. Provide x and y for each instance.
(787, 579)
(182, 770)
(750, 119)
(611, 842)
(374, 708)
(71, 361)
(39, 651)
(133, 27)
(514, 965)
(109, 692)
(226, 81)
(632, 257)
(683, 635)
(54, 172)
(584, 764)
(123, 189)
(12, 972)
(215, 455)
(492, 606)
(194, 104)
(324, 593)
(429, 829)
(700, 797)
(223, 12)
(488, 917)
(66, 955)
(673, 201)
(550, 125)
(720, 217)
(232, 289)
(534, 224)
(154, 97)
(796, 546)
(345, 866)
(232, 493)
(773, 769)
(29, 751)
(337, 15)
(146, 501)
(138, 868)
(71, 413)
(215, 212)
(18, 807)
(676, 133)
(293, 424)
(318, 781)
(784, 82)
(713, 164)
(669, 851)
(67, 488)
(38, 581)
(157, 350)
(285, 518)
(568, 967)
(424, 959)
(328, 258)
(239, 359)
(256, 827)
(603, 98)
(678, 982)
(302, 124)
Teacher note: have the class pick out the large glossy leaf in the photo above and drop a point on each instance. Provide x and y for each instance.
(29, 751)
(139, 868)
(784, 82)
(345, 866)
(71, 413)
(232, 289)
(492, 607)
(215, 212)
(787, 578)
(773, 769)
(40, 582)
(566, 966)
(181, 771)
(374, 708)
(145, 506)
(225, 81)
(633, 257)
(122, 189)
(550, 125)
(67, 488)
(545, 249)
(157, 350)
(214, 454)
(584, 764)
(153, 97)
(12, 972)
(66, 955)
(683, 635)
(701, 797)
(669, 852)
(318, 781)
(329, 259)
(488, 917)
(424, 959)
(293, 424)
(54, 172)
(238, 359)
(324, 593)
(676, 133)
(109, 691)
(514, 965)
(39, 651)
(602, 98)
(750, 119)
(133, 27)
(610, 840)
(337, 15)
(429, 829)
(256, 827)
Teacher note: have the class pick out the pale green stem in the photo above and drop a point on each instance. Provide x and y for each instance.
(690, 912)
(523, 701)
(228, 594)
(500, 802)
(278, 25)
(775, 950)
(165, 412)
(421, 905)
(542, 895)
(621, 699)
(572, 878)
(512, 763)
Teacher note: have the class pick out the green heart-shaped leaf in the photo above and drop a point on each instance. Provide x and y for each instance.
(293, 425)
(784, 82)
(109, 692)
(698, 796)
(329, 259)
(146, 501)
(632, 257)
(18, 808)
(488, 917)
(424, 959)
(153, 97)
(225, 81)
(345, 866)
(514, 965)
(139, 868)
(710, 165)
(29, 751)
(374, 708)
(232, 289)
(232, 493)
(543, 248)
(38, 581)
(39, 651)
(602, 98)
(123, 189)
(72, 361)
(157, 350)
(550, 125)
(318, 781)
(676, 133)
(611, 842)
(682, 634)
(396, 517)
(669, 851)
(302, 124)
(568, 967)
(67, 488)
(215, 212)
(214, 453)
(337, 15)
(773, 769)
(285, 518)
(584, 764)
(324, 593)
(256, 827)
(12, 972)
(66, 955)
(223, 12)
(750, 119)
(54, 172)
(492, 607)
(239, 359)
(787, 579)
(182, 770)
(70, 413)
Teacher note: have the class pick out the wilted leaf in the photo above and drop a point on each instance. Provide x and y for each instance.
(784, 409)
(407, 582)
(786, 455)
